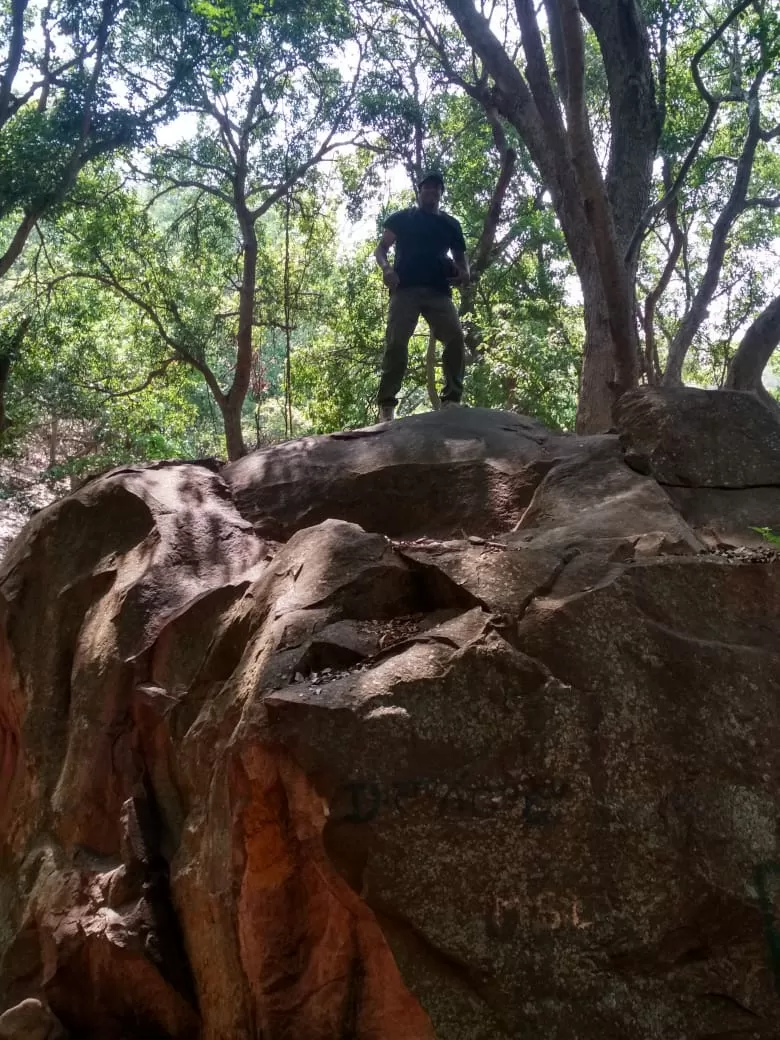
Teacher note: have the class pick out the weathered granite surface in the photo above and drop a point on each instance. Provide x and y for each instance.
(448, 728)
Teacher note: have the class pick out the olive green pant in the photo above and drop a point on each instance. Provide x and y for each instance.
(406, 306)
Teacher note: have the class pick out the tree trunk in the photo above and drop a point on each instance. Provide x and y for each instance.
(757, 346)
(234, 437)
(5, 372)
(604, 340)
(652, 363)
(597, 219)
(634, 116)
(242, 374)
(54, 440)
(699, 309)
(9, 349)
(17, 243)
(472, 333)
(596, 398)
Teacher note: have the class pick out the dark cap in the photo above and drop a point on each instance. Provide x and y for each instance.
(431, 175)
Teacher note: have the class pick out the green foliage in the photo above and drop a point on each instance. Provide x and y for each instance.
(743, 60)
(36, 148)
(74, 88)
(773, 537)
(91, 365)
(120, 318)
(531, 365)
(335, 371)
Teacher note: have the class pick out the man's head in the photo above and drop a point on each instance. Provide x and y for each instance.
(430, 189)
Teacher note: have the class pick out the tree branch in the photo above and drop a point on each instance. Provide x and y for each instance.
(110, 280)
(156, 373)
(735, 205)
(184, 182)
(537, 71)
(757, 346)
(513, 97)
(15, 48)
(766, 202)
(713, 104)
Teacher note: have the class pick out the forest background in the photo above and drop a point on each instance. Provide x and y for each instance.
(191, 191)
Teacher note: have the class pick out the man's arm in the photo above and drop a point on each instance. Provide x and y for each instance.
(386, 242)
(461, 262)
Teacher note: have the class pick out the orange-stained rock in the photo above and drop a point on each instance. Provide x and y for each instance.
(520, 782)
(173, 878)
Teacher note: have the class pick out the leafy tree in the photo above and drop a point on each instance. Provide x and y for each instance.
(547, 105)
(171, 266)
(95, 378)
(59, 91)
(335, 370)
(718, 91)
(73, 88)
(271, 103)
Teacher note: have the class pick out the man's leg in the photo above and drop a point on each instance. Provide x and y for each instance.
(402, 316)
(439, 311)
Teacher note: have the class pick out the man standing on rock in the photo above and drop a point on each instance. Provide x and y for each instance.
(420, 281)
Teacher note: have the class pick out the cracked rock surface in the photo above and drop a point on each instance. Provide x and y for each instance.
(450, 728)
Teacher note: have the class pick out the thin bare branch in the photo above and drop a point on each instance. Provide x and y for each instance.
(15, 48)
(156, 373)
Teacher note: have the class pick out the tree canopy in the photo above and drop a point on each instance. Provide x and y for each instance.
(190, 193)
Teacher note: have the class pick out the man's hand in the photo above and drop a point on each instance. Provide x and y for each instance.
(461, 278)
(390, 278)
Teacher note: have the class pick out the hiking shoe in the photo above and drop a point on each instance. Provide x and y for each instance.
(386, 412)
(450, 404)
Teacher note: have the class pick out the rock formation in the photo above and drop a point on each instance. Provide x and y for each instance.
(448, 728)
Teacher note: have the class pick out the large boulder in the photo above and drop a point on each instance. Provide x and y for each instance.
(437, 474)
(563, 823)
(85, 594)
(588, 501)
(716, 453)
(508, 783)
(702, 438)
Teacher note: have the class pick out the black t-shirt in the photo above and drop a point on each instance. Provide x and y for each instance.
(422, 242)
